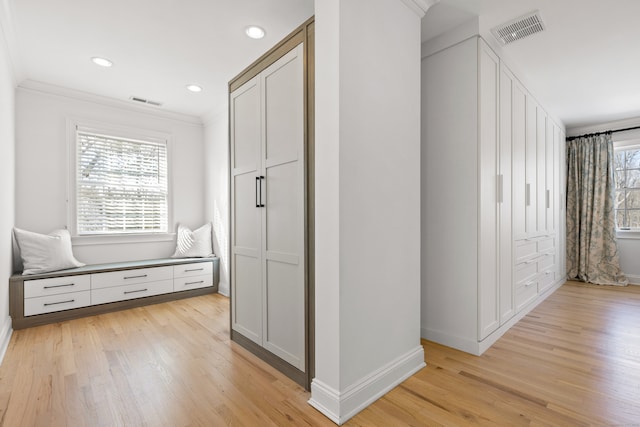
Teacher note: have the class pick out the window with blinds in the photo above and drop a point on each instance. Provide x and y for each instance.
(121, 185)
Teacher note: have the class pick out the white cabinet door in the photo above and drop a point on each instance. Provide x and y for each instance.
(550, 177)
(246, 277)
(488, 275)
(541, 170)
(283, 316)
(531, 192)
(519, 165)
(504, 194)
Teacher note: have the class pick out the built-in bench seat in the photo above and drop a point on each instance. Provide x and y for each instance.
(39, 299)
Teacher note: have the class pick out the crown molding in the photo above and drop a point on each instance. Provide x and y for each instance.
(8, 36)
(420, 7)
(64, 92)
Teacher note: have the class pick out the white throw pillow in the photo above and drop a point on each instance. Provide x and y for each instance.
(42, 253)
(193, 244)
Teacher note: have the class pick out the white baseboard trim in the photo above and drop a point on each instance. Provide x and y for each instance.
(633, 279)
(478, 347)
(5, 337)
(339, 407)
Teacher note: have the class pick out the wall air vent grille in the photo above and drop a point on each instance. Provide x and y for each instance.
(519, 28)
(145, 101)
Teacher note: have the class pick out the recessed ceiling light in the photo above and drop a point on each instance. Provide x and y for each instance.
(194, 88)
(103, 62)
(254, 32)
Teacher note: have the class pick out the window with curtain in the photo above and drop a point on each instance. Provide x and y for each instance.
(121, 185)
(627, 180)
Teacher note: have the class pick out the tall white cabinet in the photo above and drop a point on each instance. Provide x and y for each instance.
(491, 201)
(268, 166)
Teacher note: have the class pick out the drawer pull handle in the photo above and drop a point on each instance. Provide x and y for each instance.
(135, 277)
(133, 292)
(61, 302)
(194, 283)
(529, 284)
(194, 269)
(59, 286)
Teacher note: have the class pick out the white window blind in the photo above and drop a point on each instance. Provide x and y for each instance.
(121, 185)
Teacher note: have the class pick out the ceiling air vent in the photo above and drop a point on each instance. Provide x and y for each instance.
(519, 28)
(145, 101)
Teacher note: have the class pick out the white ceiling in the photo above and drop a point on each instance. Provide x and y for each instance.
(157, 46)
(583, 68)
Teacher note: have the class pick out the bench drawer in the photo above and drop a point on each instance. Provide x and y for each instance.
(195, 269)
(126, 292)
(128, 277)
(56, 285)
(53, 303)
(194, 282)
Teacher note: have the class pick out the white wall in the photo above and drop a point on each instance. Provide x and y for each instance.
(368, 202)
(7, 195)
(628, 242)
(42, 166)
(216, 154)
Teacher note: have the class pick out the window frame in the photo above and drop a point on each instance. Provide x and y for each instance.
(118, 131)
(621, 145)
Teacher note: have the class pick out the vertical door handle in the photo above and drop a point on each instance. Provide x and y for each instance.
(261, 203)
(548, 199)
(500, 188)
(527, 196)
(257, 184)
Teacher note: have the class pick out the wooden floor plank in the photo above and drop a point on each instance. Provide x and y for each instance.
(573, 361)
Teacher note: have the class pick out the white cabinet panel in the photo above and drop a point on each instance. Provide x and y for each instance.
(192, 282)
(245, 126)
(505, 244)
(195, 269)
(56, 285)
(519, 162)
(531, 188)
(53, 303)
(126, 292)
(488, 304)
(127, 277)
(247, 296)
(284, 316)
(541, 171)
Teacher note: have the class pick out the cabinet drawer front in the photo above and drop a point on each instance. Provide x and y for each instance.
(127, 277)
(525, 293)
(53, 303)
(546, 261)
(56, 285)
(546, 279)
(546, 245)
(525, 272)
(195, 269)
(193, 282)
(139, 290)
(525, 249)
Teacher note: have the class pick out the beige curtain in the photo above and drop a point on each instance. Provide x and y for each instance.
(592, 250)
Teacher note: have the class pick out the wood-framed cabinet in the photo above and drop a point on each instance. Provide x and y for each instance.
(270, 188)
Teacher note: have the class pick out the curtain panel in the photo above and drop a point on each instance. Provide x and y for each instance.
(592, 249)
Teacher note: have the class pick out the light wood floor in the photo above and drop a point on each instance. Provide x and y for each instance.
(574, 360)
